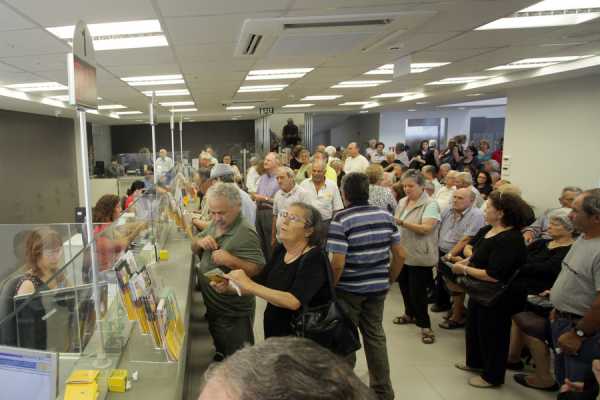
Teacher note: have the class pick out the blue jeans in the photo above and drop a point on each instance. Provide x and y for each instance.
(573, 367)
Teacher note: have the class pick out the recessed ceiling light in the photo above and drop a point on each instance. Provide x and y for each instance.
(459, 80)
(537, 62)
(283, 73)
(415, 68)
(548, 13)
(111, 107)
(354, 103)
(184, 110)
(390, 95)
(363, 112)
(127, 112)
(323, 97)
(303, 105)
(261, 88)
(38, 87)
(232, 108)
(154, 80)
(164, 93)
(177, 103)
(359, 84)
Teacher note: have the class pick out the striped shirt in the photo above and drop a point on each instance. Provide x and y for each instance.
(364, 234)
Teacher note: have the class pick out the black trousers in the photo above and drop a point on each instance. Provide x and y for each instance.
(413, 282)
(488, 338)
(440, 292)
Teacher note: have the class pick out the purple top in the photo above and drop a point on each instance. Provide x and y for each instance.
(267, 185)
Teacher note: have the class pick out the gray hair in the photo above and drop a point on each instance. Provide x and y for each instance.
(288, 171)
(573, 189)
(561, 216)
(336, 163)
(465, 177)
(415, 175)
(591, 202)
(495, 165)
(288, 368)
(428, 169)
(445, 166)
(228, 191)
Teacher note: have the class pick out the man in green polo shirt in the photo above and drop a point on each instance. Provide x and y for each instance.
(228, 243)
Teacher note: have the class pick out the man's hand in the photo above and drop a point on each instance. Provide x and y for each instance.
(207, 243)
(528, 236)
(570, 343)
(571, 386)
(222, 257)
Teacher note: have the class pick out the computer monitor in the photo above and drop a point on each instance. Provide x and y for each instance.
(28, 374)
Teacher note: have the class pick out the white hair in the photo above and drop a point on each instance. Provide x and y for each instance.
(228, 191)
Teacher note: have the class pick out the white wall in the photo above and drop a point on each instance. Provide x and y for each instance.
(553, 138)
(357, 128)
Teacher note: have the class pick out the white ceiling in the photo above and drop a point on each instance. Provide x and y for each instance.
(202, 38)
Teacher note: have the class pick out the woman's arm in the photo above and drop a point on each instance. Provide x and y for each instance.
(248, 286)
(420, 229)
(477, 273)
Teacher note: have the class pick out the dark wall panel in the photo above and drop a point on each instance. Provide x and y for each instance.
(37, 168)
(223, 136)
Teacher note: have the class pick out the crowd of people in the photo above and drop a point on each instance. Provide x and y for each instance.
(457, 238)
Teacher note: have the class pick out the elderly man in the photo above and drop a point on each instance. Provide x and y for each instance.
(224, 173)
(283, 367)
(465, 180)
(575, 321)
(329, 171)
(372, 149)
(360, 242)
(324, 194)
(266, 188)
(355, 162)
(203, 182)
(205, 160)
(163, 163)
(228, 243)
(443, 172)
(538, 229)
(288, 194)
(458, 225)
(213, 158)
(444, 195)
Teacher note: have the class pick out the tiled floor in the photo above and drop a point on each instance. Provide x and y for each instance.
(419, 371)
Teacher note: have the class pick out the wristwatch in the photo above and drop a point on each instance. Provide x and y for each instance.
(579, 333)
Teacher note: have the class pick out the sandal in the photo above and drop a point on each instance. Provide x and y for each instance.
(428, 337)
(465, 367)
(451, 324)
(521, 379)
(403, 320)
(479, 382)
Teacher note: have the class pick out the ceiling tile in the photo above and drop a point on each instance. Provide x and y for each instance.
(9, 68)
(30, 42)
(171, 8)
(122, 58)
(10, 20)
(44, 62)
(205, 52)
(7, 78)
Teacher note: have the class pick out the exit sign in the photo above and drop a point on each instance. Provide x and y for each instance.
(266, 110)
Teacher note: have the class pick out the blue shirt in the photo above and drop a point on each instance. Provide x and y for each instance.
(456, 226)
(364, 234)
(267, 185)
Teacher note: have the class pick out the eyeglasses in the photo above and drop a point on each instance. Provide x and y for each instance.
(292, 217)
(52, 253)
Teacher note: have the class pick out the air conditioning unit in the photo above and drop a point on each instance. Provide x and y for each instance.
(324, 35)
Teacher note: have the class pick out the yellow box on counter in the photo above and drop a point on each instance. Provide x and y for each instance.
(117, 381)
(82, 385)
(164, 255)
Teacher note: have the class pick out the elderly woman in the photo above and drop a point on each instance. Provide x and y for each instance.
(338, 167)
(536, 277)
(498, 252)
(304, 170)
(379, 196)
(296, 275)
(417, 215)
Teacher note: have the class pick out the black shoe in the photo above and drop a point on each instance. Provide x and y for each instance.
(436, 308)
(521, 379)
(515, 366)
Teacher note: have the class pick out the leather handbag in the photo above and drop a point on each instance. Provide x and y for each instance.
(483, 292)
(327, 324)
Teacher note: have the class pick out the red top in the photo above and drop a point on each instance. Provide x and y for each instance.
(129, 201)
(107, 250)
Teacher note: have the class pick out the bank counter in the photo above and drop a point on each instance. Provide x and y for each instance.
(134, 316)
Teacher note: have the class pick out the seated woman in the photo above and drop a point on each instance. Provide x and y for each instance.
(484, 184)
(296, 275)
(134, 192)
(544, 262)
(43, 255)
(109, 245)
(499, 251)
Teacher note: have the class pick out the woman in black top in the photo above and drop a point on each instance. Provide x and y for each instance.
(484, 184)
(470, 162)
(296, 275)
(498, 252)
(295, 162)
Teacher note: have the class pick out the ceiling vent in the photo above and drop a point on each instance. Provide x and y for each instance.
(322, 35)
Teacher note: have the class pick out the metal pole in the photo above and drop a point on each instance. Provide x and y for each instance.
(153, 124)
(181, 136)
(173, 136)
(101, 356)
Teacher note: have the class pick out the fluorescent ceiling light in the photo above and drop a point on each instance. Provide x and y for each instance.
(391, 95)
(231, 108)
(500, 101)
(415, 68)
(54, 103)
(261, 88)
(422, 102)
(13, 94)
(354, 103)
(537, 62)
(412, 110)
(38, 87)
(359, 84)
(412, 96)
(131, 43)
(127, 112)
(184, 110)
(474, 94)
(323, 97)
(549, 13)
(372, 104)
(92, 112)
(303, 105)
(164, 93)
(154, 80)
(283, 73)
(62, 97)
(458, 80)
(177, 103)
(111, 107)
(363, 112)
(114, 115)
(110, 28)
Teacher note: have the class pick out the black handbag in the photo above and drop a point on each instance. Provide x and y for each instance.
(485, 293)
(327, 324)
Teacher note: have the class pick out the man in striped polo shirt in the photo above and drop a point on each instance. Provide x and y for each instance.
(359, 242)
